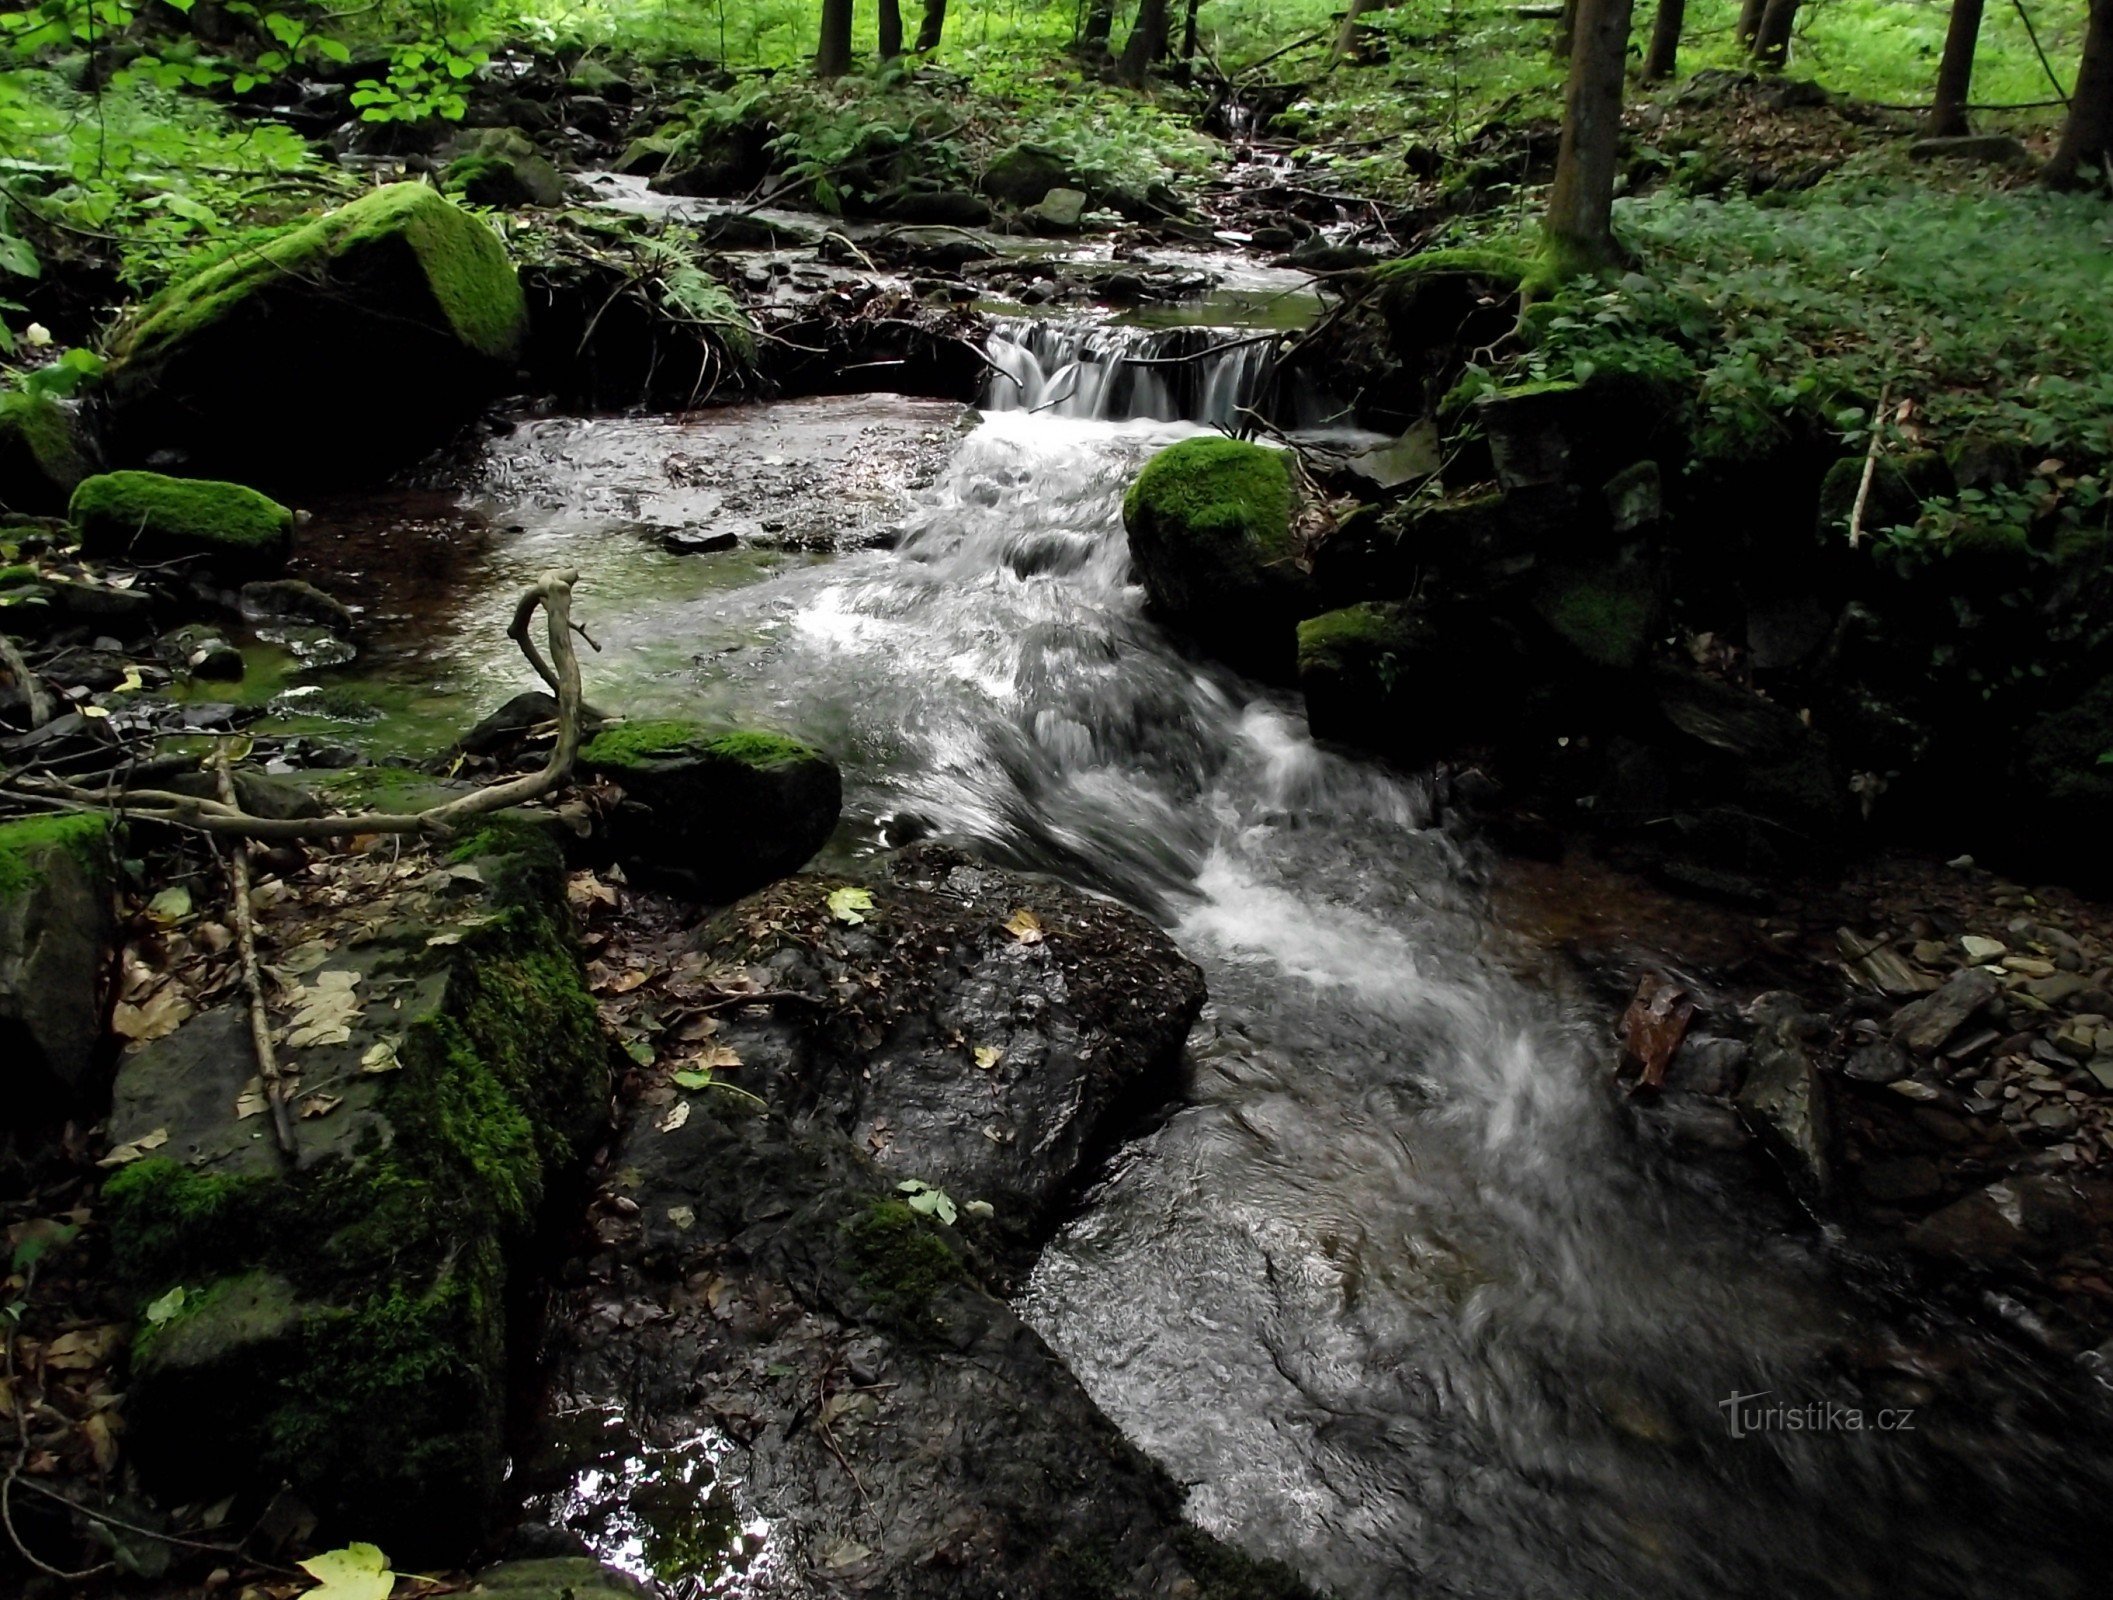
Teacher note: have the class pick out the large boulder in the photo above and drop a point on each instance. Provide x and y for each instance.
(340, 1322)
(1210, 524)
(339, 347)
(55, 940)
(716, 812)
(1409, 681)
(2065, 788)
(41, 458)
(149, 518)
(1021, 176)
(1014, 1021)
(1753, 782)
(502, 167)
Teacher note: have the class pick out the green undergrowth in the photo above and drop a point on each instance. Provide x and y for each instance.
(630, 744)
(1799, 318)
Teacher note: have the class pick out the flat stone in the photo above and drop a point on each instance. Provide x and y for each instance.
(1784, 1100)
(2015, 1217)
(1924, 1026)
(1980, 950)
(2062, 986)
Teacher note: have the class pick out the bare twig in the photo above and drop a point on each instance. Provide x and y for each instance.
(31, 686)
(561, 670)
(1863, 488)
(252, 984)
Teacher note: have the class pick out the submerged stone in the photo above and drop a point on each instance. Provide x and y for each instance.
(1210, 525)
(718, 812)
(56, 928)
(342, 1324)
(146, 517)
(339, 346)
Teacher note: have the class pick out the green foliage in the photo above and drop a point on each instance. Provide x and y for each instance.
(630, 744)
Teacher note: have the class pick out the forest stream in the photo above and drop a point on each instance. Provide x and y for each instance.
(1395, 1292)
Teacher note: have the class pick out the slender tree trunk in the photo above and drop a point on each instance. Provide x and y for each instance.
(2087, 135)
(1750, 12)
(1146, 44)
(1955, 74)
(1771, 46)
(832, 58)
(1188, 34)
(1664, 54)
(1566, 30)
(934, 24)
(889, 21)
(1579, 227)
(1346, 39)
(1100, 24)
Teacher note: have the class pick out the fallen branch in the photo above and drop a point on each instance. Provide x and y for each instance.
(1863, 487)
(561, 671)
(252, 984)
(32, 687)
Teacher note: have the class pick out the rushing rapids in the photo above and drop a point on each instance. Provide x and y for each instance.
(1395, 1292)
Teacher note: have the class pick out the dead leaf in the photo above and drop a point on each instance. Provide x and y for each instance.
(321, 1105)
(83, 1349)
(988, 1056)
(1024, 926)
(677, 1115)
(1654, 1025)
(160, 1015)
(380, 1057)
(121, 1154)
(850, 904)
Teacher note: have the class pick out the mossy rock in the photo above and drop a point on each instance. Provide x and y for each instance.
(2065, 764)
(1606, 614)
(146, 517)
(41, 458)
(556, 1578)
(340, 346)
(344, 1323)
(1406, 681)
(55, 932)
(501, 167)
(1899, 485)
(1022, 175)
(714, 811)
(1210, 525)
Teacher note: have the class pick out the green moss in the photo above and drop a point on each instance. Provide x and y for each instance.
(464, 266)
(1496, 263)
(630, 744)
(1606, 616)
(899, 1260)
(152, 517)
(24, 844)
(1338, 640)
(40, 458)
(1216, 489)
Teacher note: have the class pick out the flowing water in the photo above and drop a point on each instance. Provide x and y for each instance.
(1394, 1292)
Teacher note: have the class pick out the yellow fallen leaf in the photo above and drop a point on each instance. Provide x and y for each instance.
(988, 1056)
(1025, 926)
(357, 1572)
(678, 1114)
(321, 1105)
(132, 1151)
(849, 905)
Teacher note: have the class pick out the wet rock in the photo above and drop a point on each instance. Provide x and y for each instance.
(1367, 674)
(42, 454)
(1010, 1026)
(1210, 526)
(56, 931)
(1058, 211)
(201, 652)
(1318, 255)
(1606, 612)
(556, 1578)
(1021, 176)
(1756, 782)
(1924, 1026)
(1784, 1100)
(505, 729)
(2017, 1217)
(283, 600)
(1902, 1181)
(147, 517)
(1878, 1064)
(339, 347)
(501, 167)
(1635, 498)
(949, 208)
(714, 812)
(343, 1322)
(261, 794)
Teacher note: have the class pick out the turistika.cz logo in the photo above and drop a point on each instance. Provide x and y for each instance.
(1748, 1413)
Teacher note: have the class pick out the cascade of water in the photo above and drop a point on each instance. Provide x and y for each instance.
(1220, 377)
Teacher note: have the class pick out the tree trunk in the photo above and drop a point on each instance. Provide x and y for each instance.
(889, 22)
(1100, 23)
(1566, 30)
(1188, 34)
(1146, 44)
(1771, 46)
(832, 58)
(1750, 21)
(1579, 227)
(1664, 54)
(1955, 74)
(933, 25)
(2087, 135)
(1346, 40)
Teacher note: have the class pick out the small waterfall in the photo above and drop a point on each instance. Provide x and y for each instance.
(1221, 377)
